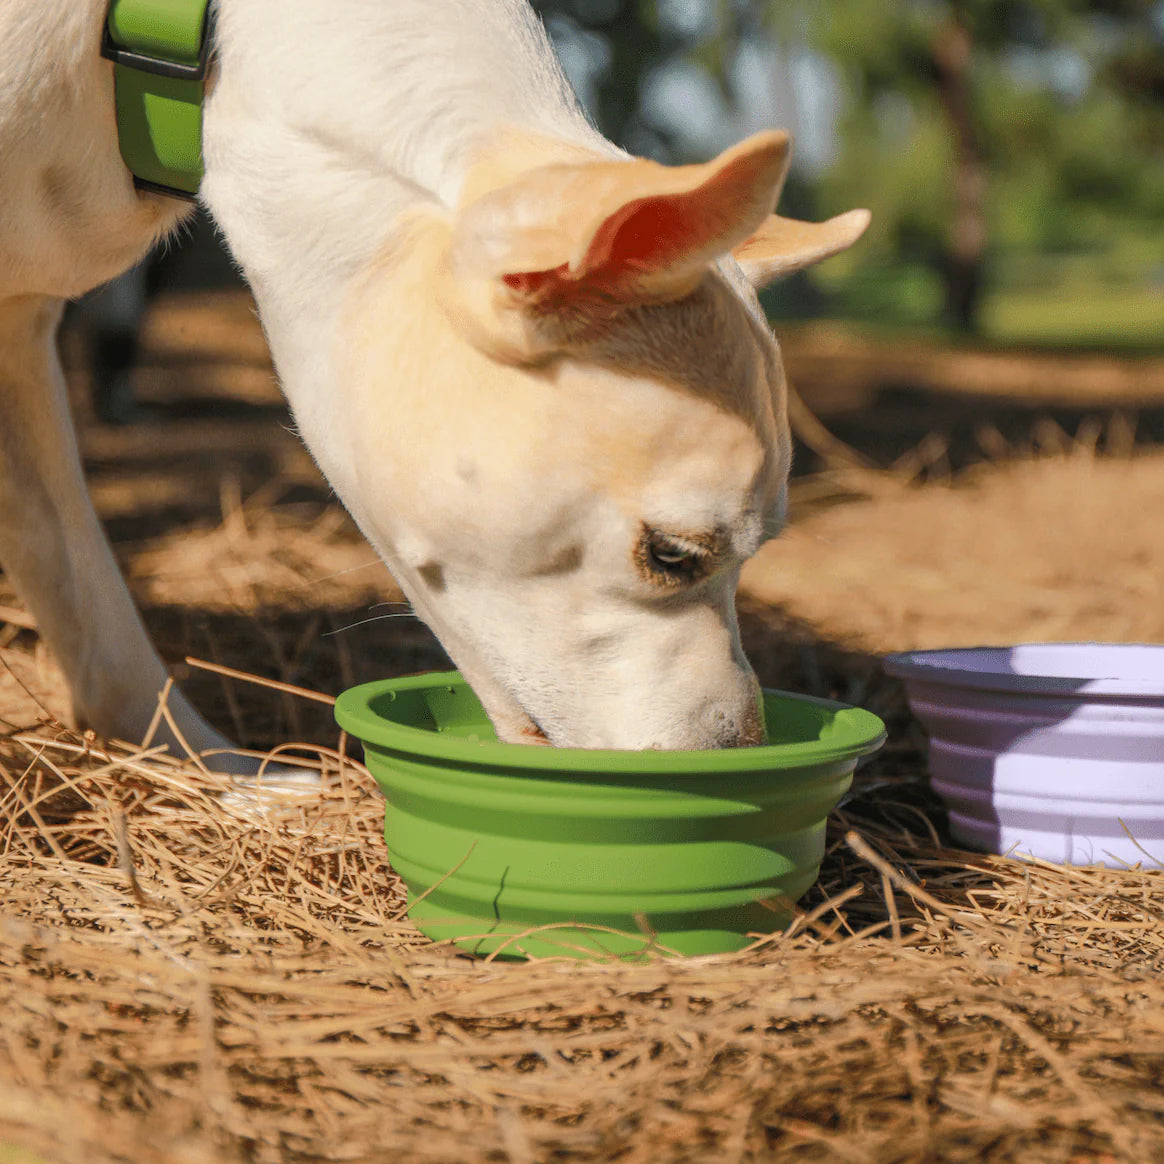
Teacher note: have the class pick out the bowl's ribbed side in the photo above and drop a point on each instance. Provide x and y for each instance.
(489, 855)
(1060, 777)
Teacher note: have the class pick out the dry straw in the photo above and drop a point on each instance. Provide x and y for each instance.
(190, 977)
(195, 973)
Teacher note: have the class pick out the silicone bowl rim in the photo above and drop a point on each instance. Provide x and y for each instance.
(855, 733)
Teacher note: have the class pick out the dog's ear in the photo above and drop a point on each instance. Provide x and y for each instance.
(571, 240)
(784, 245)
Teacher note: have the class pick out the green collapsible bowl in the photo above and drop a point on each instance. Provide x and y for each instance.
(520, 851)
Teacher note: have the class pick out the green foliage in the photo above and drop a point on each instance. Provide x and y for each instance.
(882, 45)
(902, 173)
(1066, 110)
(634, 42)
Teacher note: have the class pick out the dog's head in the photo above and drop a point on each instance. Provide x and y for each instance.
(569, 433)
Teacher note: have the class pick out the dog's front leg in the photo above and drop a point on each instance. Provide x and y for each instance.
(54, 550)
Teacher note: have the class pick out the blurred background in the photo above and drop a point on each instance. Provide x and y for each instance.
(1012, 150)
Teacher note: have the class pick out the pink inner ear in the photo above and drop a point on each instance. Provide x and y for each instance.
(655, 233)
(646, 236)
(532, 284)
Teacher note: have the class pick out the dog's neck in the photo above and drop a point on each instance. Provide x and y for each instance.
(326, 122)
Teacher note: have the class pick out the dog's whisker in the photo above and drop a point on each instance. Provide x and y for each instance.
(341, 573)
(364, 622)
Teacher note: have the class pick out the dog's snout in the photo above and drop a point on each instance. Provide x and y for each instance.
(753, 731)
(737, 721)
(738, 724)
(747, 730)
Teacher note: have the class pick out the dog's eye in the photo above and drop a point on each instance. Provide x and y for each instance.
(670, 559)
(668, 556)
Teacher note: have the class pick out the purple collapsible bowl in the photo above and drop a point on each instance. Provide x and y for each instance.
(1050, 750)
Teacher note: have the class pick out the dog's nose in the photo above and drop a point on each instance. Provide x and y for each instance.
(751, 731)
(732, 726)
(754, 732)
(745, 721)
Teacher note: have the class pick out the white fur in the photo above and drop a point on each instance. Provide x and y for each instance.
(342, 140)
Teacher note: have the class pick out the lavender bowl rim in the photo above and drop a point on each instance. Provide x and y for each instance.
(924, 667)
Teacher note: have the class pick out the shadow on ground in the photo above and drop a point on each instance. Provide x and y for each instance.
(325, 650)
(949, 432)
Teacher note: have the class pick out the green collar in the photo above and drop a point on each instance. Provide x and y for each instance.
(160, 50)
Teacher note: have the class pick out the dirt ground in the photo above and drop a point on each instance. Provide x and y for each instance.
(930, 1005)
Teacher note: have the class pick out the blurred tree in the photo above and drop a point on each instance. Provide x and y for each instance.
(959, 110)
(614, 50)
